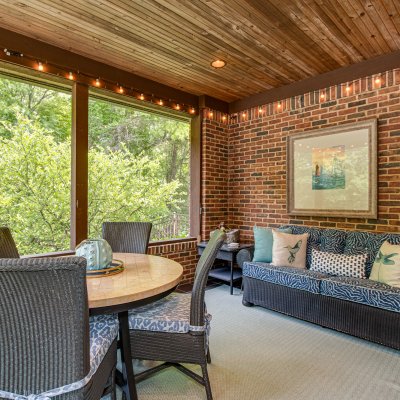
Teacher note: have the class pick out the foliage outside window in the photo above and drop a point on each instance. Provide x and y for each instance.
(138, 169)
(35, 166)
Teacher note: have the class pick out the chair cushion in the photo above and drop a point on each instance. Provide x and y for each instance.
(103, 331)
(297, 278)
(364, 291)
(170, 314)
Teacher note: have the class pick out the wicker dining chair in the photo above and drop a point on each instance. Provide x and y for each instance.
(8, 249)
(176, 329)
(127, 237)
(49, 348)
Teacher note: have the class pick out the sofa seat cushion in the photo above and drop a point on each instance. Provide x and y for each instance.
(170, 314)
(302, 279)
(364, 291)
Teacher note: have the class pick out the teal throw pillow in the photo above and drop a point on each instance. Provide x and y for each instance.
(263, 241)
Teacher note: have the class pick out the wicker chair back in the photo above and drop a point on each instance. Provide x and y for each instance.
(8, 249)
(44, 323)
(127, 237)
(204, 265)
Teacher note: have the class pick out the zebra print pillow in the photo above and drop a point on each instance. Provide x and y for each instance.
(339, 264)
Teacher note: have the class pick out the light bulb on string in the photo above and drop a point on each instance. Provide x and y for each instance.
(40, 66)
(322, 96)
(378, 80)
(279, 105)
(161, 103)
(210, 114)
(97, 82)
(121, 89)
(71, 76)
(192, 110)
(141, 97)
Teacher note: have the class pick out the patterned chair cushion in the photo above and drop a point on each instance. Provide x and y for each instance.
(302, 279)
(362, 291)
(170, 314)
(103, 330)
(361, 242)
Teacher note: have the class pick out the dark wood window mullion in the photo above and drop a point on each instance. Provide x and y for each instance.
(79, 178)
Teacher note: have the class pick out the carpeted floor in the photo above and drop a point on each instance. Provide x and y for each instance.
(259, 354)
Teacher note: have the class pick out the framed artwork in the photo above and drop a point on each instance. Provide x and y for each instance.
(333, 171)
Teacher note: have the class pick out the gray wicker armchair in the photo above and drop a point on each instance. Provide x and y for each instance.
(127, 237)
(8, 249)
(48, 345)
(175, 329)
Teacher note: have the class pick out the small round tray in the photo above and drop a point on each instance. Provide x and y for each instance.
(117, 266)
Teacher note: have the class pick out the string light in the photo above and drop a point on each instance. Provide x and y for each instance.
(224, 118)
(97, 82)
(244, 114)
(178, 107)
(210, 114)
(192, 110)
(378, 80)
(40, 66)
(348, 88)
(279, 105)
(322, 96)
(161, 102)
(141, 97)
(121, 89)
(260, 110)
(71, 76)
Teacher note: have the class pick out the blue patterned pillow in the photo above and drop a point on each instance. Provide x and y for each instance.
(333, 241)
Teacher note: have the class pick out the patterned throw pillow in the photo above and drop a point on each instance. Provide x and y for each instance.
(386, 268)
(289, 250)
(352, 266)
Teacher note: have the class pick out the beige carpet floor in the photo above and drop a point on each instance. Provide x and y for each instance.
(259, 354)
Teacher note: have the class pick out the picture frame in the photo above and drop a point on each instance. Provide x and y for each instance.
(332, 172)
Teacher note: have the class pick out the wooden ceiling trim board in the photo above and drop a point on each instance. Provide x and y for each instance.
(262, 38)
(76, 62)
(291, 35)
(346, 52)
(134, 39)
(380, 28)
(212, 84)
(366, 25)
(313, 28)
(346, 27)
(380, 13)
(259, 27)
(394, 14)
(182, 72)
(239, 43)
(345, 74)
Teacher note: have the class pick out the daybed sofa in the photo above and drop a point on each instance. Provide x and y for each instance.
(359, 307)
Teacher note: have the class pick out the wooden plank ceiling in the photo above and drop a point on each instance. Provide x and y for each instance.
(266, 43)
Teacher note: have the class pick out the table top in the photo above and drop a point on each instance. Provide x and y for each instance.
(144, 276)
(226, 248)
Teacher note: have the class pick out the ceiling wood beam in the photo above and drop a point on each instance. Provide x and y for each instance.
(341, 75)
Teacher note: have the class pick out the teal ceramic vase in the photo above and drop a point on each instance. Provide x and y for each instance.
(97, 252)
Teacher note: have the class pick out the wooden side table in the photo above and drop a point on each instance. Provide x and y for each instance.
(229, 273)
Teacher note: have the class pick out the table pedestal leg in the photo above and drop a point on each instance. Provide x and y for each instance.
(232, 264)
(129, 385)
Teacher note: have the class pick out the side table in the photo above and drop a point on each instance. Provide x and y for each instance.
(229, 273)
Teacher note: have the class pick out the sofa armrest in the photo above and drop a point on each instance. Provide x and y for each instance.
(243, 256)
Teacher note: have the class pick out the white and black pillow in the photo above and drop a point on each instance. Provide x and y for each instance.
(339, 264)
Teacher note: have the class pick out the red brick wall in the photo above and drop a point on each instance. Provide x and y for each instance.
(214, 172)
(257, 153)
(183, 252)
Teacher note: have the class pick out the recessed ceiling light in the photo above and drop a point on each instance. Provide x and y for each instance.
(218, 64)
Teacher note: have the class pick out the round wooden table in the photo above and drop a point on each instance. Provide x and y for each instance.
(145, 279)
